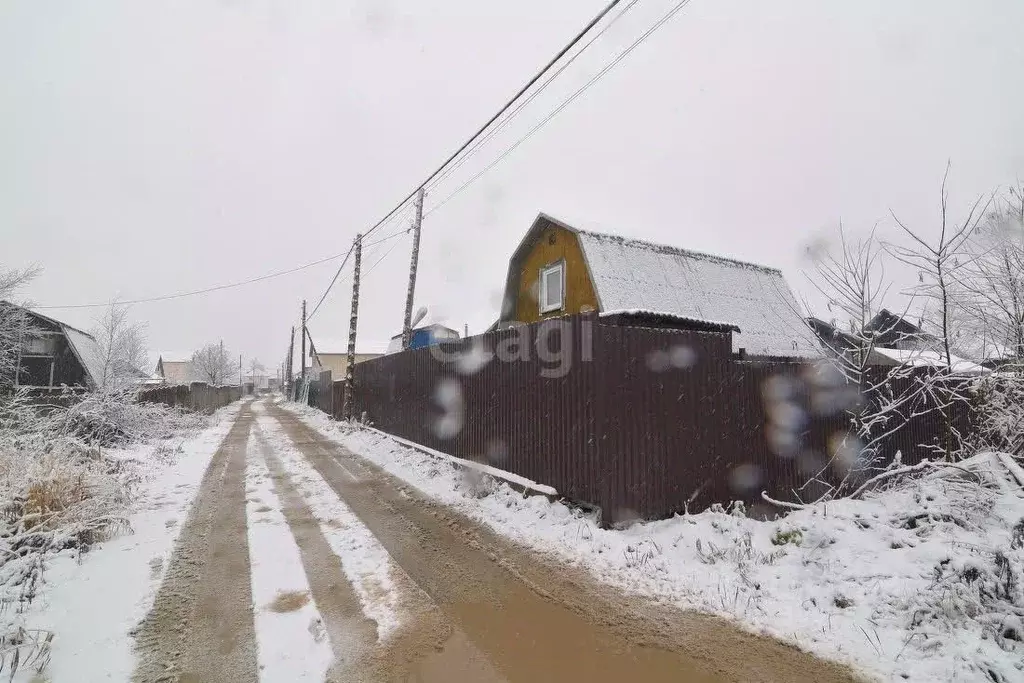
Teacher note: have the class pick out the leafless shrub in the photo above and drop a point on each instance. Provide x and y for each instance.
(25, 647)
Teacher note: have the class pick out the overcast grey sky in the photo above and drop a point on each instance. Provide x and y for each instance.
(153, 147)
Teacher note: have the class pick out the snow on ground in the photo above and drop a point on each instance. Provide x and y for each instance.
(291, 641)
(91, 602)
(366, 563)
(919, 582)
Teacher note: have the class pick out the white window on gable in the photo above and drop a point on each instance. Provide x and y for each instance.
(552, 287)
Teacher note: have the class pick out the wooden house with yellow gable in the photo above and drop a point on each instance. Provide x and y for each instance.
(560, 270)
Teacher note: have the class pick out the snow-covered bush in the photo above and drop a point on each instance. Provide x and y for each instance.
(61, 488)
(113, 417)
(1000, 410)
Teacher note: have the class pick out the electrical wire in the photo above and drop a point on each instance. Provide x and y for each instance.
(543, 86)
(432, 176)
(370, 269)
(206, 290)
(536, 77)
(333, 280)
(565, 103)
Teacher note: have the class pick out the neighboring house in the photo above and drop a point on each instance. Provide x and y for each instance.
(560, 270)
(175, 371)
(893, 341)
(895, 332)
(53, 354)
(926, 358)
(426, 335)
(332, 354)
(337, 363)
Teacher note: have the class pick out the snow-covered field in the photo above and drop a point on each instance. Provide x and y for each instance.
(920, 581)
(90, 602)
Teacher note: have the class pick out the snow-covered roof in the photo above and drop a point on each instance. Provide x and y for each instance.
(931, 359)
(632, 274)
(87, 350)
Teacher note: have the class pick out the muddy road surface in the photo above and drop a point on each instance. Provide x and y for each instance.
(460, 603)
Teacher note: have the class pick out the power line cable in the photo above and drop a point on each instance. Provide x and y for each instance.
(333, 280)
(543, 86)
(561, 53)
(206, 290)
(536, 77)
(608, 67)
(370, 269)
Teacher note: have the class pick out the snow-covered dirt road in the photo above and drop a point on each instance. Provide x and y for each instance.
(302, 561)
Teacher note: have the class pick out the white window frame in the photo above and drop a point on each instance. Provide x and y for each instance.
(542, 288)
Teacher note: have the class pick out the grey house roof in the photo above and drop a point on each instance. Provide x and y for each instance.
(634, 275)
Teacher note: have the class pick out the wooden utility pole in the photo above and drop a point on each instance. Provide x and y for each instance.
(409, 295)
(303, 366)
(351, 358)
(241, 381)
(291, 352)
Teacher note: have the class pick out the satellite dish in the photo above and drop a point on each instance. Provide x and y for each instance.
(420, 315)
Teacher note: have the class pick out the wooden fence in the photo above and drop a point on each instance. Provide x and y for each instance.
(196, 396)
(637, 421)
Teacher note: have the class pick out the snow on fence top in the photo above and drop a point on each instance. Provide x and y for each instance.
(632, 274)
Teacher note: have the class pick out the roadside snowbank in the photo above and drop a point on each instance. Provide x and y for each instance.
(919, 582)
(93, 600)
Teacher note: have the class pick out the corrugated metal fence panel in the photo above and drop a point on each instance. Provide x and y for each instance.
(637, 421)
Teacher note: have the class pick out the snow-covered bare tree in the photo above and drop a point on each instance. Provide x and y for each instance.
(993, 282)
(942, 265)
(992, 306)
(213, 365)
(121, 345)
(14, 322)
(882, 398)
(256, 371)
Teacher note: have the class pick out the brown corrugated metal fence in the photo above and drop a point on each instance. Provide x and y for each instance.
(638, 421)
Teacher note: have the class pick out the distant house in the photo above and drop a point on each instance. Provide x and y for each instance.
(175, 371)
(52, 353)
(427, 335)
(337, 363)
(559, 270)
(894, 341)
(895, 332)
(332, 354)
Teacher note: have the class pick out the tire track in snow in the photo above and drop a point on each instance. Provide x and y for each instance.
(417, 642)
(291, 643)
(363, 559)
(351, 634)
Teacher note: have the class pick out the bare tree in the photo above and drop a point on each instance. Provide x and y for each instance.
(993, 285)
(14, 321)
(883, 398)
(121, 346)
(212, 364)
(256, 369)
(993, 307)
(942, 266)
